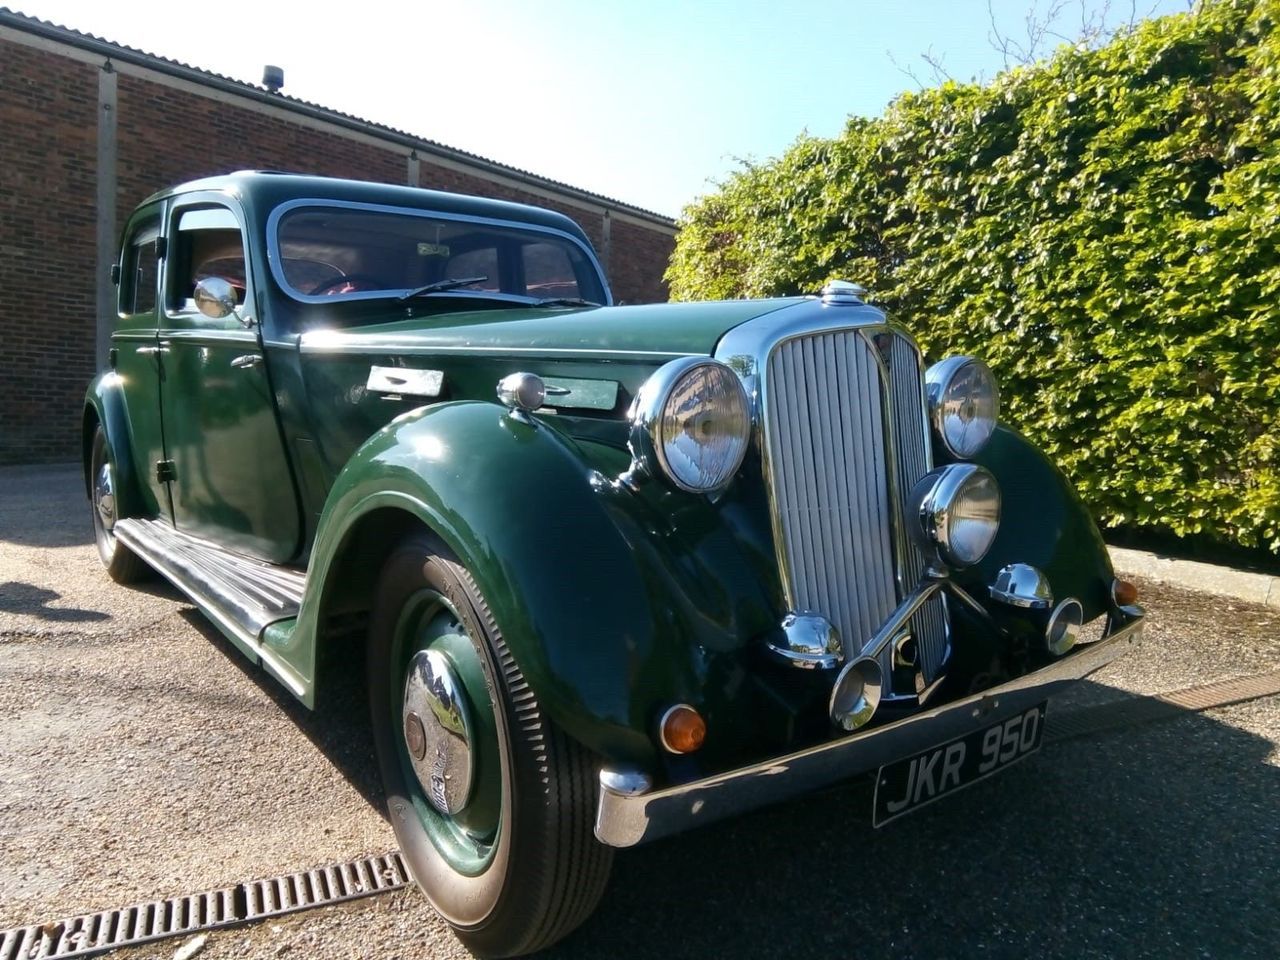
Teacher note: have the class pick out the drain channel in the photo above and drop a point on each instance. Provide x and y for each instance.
(1138, 710)
(93, 933)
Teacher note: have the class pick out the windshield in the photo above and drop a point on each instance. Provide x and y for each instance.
(330, 251)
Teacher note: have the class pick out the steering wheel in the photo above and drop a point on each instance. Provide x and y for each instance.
(348, 283)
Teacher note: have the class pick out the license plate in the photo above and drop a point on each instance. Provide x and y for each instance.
(907, 785)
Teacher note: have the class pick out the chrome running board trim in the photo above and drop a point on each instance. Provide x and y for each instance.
(242, 595)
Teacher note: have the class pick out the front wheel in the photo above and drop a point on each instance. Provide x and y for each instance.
(492, 805)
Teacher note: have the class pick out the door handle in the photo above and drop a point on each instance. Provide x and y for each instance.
(152, 351)
(244, 361)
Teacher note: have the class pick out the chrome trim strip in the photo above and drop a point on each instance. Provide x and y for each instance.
(333, 342)
(274, 256)
(251, 592)
(625, 820)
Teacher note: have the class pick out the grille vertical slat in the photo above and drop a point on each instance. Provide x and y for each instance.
(829, 416)
(911, 449)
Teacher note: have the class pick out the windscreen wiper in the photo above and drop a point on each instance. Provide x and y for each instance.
(441, 285)
(564, 302)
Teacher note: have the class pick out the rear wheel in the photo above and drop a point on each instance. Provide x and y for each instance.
(123, 565)
(492, 805)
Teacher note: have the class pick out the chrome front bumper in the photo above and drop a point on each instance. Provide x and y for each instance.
(624, 818)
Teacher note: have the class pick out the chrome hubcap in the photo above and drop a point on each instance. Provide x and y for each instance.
(437, 731)
(104, 497)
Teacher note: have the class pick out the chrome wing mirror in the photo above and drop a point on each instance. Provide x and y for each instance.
(216, 298)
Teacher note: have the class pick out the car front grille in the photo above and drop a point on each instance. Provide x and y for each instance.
(845, 441)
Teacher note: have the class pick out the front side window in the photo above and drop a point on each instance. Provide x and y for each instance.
(330, 251)
(139, 268)
(205, 243)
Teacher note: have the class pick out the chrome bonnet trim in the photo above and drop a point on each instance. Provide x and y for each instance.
(626, 820)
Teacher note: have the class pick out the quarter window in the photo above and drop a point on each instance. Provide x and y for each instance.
(139, 270)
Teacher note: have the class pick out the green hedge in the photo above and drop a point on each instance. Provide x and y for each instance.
(1103, 228)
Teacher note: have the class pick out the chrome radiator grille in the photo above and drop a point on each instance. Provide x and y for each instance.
(845, 438)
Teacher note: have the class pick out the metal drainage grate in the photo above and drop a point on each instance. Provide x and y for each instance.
(1138, 710)
(256, 900)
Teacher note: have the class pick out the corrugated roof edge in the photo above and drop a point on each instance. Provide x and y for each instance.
(87, 41)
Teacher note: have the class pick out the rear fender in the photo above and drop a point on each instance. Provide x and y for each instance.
(104, 404)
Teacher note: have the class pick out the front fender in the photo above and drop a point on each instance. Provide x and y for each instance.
(1044, 523)
(554, 556)
(104, 404)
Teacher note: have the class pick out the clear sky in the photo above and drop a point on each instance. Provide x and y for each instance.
(646, 101)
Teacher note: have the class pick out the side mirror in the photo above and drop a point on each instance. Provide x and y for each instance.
(216, 298)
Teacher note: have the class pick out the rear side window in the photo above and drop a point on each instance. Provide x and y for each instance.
(140, 269)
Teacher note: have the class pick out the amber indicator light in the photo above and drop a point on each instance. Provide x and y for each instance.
(682, 729)
(1125, 593)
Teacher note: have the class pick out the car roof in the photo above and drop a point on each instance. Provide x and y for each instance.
(265, 189)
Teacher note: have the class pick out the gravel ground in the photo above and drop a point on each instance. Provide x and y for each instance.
(141, 756)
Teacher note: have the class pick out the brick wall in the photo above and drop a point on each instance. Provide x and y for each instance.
(48, 152)
(168, 132)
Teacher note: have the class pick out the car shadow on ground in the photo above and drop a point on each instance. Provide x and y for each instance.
(37, 501)
(1156, 840)
(339, 727)
(1160, 840)
(36, 601)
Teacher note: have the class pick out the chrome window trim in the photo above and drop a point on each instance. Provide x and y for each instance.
(274, 256)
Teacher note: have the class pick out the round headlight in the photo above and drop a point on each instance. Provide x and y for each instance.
(692, 421)
(958, 507)
(964, 404)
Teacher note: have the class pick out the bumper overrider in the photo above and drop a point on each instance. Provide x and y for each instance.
(629, 812)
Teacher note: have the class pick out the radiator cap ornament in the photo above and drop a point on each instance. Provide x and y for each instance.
(839, 292)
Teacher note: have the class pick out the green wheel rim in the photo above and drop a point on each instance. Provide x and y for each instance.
(466, 839)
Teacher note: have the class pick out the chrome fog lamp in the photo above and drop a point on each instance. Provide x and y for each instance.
(964, 404)
(957, 513)
(691, 423)
(1064, 626)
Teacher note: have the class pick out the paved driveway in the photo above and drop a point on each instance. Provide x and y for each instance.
(142, 757)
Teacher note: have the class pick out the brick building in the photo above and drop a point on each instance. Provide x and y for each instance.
(88, 128)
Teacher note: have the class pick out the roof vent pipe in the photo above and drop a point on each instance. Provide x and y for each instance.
(272, 78)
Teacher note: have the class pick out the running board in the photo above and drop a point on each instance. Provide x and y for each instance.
(242, 594)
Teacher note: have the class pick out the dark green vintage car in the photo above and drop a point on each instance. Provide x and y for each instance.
(618, 571)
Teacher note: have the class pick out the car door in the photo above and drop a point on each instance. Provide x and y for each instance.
(135, 352)
(229, 477)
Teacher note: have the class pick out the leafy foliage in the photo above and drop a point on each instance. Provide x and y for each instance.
(1103, 228)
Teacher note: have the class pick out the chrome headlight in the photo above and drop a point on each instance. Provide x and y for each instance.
(691, 423)
(958, 512)
(964, 404)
